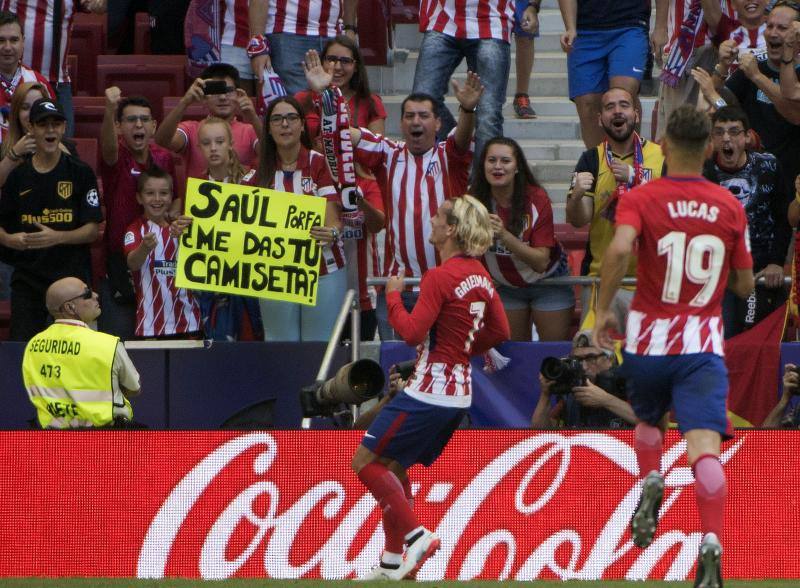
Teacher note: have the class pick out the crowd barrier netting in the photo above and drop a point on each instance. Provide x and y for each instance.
(285, 504)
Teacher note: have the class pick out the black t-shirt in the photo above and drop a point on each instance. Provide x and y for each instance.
(778, 135)
(759, 186)
(613, 14)
(64, 199)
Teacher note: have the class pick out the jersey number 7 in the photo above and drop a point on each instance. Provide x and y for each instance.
(476, 310)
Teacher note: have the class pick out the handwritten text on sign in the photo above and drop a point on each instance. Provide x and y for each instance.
(251, 241)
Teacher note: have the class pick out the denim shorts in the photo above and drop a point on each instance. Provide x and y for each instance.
(538, 297)
(599, 55)
(237, 57)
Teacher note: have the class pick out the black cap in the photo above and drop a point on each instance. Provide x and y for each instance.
(45, 108)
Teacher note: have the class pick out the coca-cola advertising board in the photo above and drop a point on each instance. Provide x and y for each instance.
(285, 504)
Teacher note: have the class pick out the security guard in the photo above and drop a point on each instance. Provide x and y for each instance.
(77, 377)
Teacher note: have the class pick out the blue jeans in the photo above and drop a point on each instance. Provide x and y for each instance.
(440, 54)
(289, 321)
(385, 330)
(287, 52)
(64, 98)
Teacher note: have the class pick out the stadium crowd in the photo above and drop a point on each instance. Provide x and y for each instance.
(233, 124)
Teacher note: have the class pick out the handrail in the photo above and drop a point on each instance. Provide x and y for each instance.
(560, 281)
(349, 304)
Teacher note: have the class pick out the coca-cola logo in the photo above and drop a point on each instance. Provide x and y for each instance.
(534, 473)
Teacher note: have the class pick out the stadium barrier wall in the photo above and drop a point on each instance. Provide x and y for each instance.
(285, 504)
(201, 388)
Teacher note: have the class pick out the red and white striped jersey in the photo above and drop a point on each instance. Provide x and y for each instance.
(312, 177)
(468, 19)
(691, 233)
(317, 18)
(537, 231)
(747, 41)
(458, 314)
(360, 245)
(8, 87)
(235, 25)
(36, 18)
(161, 307)
(416, 185)
(678, 10)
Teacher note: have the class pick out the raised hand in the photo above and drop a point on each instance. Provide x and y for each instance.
(318, 79)
(470, 93)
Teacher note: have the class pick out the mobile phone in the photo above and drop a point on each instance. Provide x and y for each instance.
(215, 87)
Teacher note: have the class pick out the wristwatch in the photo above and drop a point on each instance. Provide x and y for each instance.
(720, 103)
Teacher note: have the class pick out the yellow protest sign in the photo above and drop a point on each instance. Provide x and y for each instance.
(251, 241)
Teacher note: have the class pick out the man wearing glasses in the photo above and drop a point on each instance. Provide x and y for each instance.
(49, 216)
(127, 151)
(756, 180)
(592, 405)
(218, 89)
(77, 377)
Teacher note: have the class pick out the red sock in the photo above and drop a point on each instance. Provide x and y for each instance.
(408, 492)
(388, 492)
(648, 444)
(711, 489)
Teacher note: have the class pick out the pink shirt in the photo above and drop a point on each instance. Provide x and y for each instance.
(244, 143)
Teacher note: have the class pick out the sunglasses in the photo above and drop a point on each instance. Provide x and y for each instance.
(343, 60)
(85, 295)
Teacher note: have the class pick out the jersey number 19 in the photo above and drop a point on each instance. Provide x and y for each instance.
(700, 261)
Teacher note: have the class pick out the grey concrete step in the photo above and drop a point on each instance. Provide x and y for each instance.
(544, 105)
(557, 171)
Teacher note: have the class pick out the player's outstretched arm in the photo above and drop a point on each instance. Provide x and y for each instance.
(741, 282)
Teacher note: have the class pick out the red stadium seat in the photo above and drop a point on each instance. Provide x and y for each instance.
(5, 319)
(89, 111)
(570, 237)
(88, 152)
(87, 41)
(72, 70)
(405, 12)
(195, 112)
(374, 40)
(152, 76)
(141, 35)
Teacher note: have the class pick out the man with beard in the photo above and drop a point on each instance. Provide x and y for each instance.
(757, 182)
(756, 86)
(623, 160)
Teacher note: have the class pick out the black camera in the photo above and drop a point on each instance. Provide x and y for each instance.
(405, 368)
(566, 373)
(354, 383)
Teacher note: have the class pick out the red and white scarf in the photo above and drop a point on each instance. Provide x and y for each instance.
(640, 176)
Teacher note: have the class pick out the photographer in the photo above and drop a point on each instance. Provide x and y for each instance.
(779, 417)
(599, 403)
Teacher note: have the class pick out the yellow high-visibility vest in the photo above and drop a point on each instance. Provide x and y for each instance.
(67, 373)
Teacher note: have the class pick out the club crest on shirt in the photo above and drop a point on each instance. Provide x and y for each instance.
(433, 169)
(307, 184)
(64, 189)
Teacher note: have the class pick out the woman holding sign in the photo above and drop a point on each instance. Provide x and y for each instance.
(289, 164)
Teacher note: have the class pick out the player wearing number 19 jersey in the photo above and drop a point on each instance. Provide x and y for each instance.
(458, 313)
(692, 242)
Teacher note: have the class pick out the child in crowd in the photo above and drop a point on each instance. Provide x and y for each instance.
(126, 151)
(163, 310)
(225, 317)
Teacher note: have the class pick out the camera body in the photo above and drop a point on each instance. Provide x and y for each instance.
(213, 87)
(566, 373)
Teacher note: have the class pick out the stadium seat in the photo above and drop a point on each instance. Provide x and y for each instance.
(195, 112)
(152, 76)
(89, 112)
(141, 34)
(88, 151)
(5, 319)
(87, 41)
(72, 70)
(374, 40)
